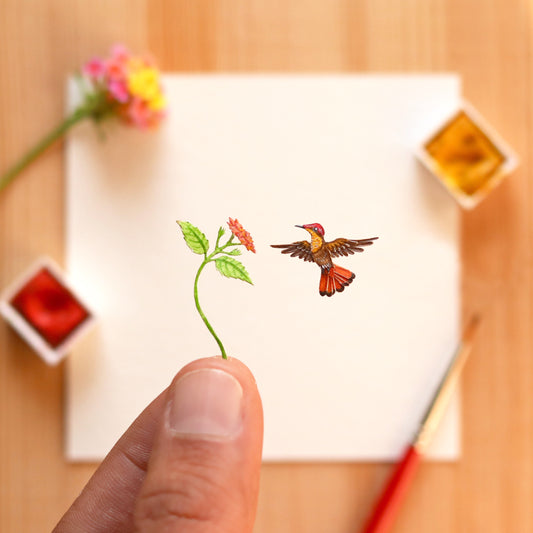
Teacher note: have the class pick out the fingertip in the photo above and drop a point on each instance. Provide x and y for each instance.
(231, 365)
(252, 404)
(239, 371)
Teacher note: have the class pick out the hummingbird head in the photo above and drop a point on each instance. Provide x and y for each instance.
(313, 228)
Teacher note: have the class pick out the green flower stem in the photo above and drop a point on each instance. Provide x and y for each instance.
(204, 318)
(208, 259)
(96, 106)
(219, 236)
(58, 132)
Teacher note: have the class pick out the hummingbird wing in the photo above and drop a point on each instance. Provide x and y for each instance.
(341, 246)
(301, 249)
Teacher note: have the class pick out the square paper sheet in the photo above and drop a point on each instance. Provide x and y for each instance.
(342, 378)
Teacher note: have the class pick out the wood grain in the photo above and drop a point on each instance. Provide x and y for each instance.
(489, 42)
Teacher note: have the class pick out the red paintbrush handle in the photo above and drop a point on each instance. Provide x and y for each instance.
(389, 503)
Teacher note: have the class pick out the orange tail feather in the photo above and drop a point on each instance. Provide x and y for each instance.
(334, 279)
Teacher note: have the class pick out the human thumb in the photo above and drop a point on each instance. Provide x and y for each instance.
(203, 472)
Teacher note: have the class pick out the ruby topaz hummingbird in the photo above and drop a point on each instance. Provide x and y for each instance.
(332, 277)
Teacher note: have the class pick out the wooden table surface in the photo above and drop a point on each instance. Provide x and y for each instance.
(489, 42)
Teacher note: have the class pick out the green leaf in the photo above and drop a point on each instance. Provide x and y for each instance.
(231, 268)
(235, 251)
(194, 238)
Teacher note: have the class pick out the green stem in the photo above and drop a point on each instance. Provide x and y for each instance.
(197, 302)
(41, 146)
(209, 259)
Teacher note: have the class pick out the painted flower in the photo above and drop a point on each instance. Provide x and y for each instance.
(244, 236)
(223, 256)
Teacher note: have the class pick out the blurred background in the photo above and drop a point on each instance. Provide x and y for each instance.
(489, 43)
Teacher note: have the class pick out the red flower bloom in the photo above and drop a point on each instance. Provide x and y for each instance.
(246, 239)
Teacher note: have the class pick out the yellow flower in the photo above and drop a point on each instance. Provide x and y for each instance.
(143, 82)
(158, 103)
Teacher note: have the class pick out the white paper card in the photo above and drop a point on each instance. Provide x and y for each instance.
(342, 378)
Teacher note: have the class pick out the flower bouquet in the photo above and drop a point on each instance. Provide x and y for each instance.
(124, 86)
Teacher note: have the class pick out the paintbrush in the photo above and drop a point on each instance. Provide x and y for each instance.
(388, 505)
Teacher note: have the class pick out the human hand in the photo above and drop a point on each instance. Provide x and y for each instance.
(189, 463)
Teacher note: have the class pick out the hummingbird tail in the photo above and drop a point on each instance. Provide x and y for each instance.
(334, 279)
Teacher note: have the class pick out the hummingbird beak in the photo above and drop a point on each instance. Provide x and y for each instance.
(297, 226)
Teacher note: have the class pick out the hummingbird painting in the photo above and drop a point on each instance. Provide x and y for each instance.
(333, 278)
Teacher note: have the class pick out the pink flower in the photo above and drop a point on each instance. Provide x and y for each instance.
(115, 69)
(123, 86)
(244, 236)
(139, 114)
(130, 86)
(118, 90)
(94, 69)
(120, 53)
